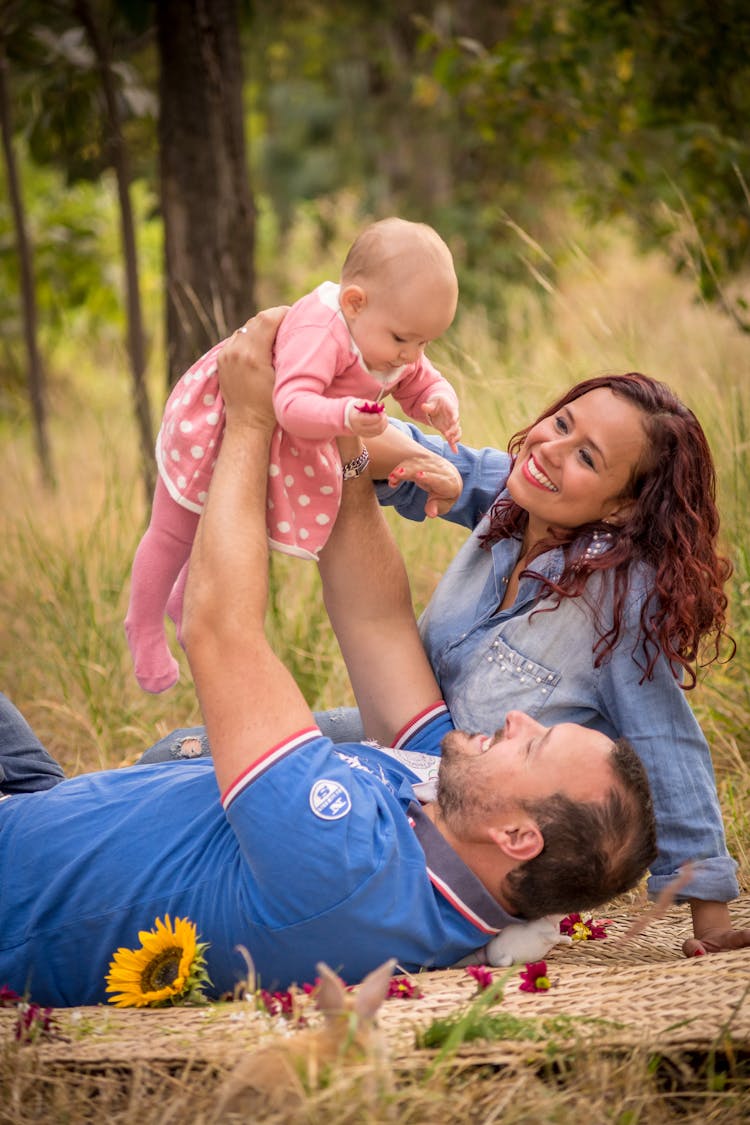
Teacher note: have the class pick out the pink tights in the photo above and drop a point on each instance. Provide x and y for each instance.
(157, 587)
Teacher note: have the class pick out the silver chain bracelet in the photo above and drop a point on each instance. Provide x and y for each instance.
(357, 466)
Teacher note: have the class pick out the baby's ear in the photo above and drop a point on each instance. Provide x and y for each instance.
(373, 989)
(331, 994)
(352, 299)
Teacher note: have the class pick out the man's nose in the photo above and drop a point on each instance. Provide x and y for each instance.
(516, 721)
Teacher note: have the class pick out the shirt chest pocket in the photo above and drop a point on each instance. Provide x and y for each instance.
(501, 679)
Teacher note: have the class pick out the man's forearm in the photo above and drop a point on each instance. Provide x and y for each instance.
(229, 560)
(248, 698)
(367, 596)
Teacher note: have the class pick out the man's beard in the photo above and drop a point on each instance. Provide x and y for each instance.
(461, 796)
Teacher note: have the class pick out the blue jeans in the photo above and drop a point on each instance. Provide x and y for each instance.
(25, 766)
(340, 725)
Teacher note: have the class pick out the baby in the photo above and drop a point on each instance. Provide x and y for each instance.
(338, 352)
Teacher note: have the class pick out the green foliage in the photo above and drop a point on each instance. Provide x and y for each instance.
(75, 235)
(483, 119)
(638, 108)
(468, 116)
(67, 122)
(478, 1022)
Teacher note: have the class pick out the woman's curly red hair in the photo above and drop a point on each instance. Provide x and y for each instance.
(674, 527)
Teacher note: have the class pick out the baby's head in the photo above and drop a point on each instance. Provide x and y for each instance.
(398, 292)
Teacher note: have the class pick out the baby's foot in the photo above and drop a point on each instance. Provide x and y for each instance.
(156, 670)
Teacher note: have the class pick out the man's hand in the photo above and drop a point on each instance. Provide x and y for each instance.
(246, 372)
(439, 478)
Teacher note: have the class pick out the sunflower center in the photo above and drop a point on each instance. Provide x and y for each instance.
(162, 970)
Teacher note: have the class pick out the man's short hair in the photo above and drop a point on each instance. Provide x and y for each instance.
(592, 851)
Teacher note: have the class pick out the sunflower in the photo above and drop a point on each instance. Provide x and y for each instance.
(169, 968)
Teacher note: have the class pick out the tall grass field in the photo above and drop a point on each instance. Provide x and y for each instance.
(65, 559)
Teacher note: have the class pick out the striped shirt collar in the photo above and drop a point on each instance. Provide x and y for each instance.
(456, 882)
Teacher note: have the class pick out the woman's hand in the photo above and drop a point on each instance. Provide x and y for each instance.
(714, 933)
(246, 372)
(716, 941)
(439, 478)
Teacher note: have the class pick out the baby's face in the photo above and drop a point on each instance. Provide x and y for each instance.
(394, 324)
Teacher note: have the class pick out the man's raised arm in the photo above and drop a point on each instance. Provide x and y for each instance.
(248, 698)
(367, 596)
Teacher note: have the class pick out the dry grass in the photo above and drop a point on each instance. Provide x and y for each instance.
(625, 1089)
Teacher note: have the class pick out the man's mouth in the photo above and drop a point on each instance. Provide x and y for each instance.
(483, 741)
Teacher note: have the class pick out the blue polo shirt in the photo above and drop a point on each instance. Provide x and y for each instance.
(316, 852)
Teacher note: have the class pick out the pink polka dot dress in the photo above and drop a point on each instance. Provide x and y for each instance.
(304, 477)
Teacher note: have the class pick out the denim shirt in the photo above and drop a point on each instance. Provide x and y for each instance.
(488, 662)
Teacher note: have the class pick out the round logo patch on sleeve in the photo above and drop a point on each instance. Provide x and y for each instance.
(329, 800)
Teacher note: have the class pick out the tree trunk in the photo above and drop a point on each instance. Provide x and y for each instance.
(121, 164)
(35, 374)
(206, 201)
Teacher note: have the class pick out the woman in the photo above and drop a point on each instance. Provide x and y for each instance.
(589, 591)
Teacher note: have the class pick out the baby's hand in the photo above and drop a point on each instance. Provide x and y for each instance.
(442, 414)
(367, 419)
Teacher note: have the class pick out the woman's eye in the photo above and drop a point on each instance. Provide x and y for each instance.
(561, 424)
(587, 458)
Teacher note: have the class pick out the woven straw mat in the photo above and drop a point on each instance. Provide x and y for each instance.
(640, 993)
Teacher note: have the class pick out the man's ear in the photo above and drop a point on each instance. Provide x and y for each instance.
(352, 299)
(519, 841)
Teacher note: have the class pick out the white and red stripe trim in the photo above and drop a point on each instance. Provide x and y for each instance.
(415, 725)
(260, 765)
(459, 905)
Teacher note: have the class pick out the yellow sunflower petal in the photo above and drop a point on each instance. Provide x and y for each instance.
(168, 948)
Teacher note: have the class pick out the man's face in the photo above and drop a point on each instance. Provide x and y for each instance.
(523, 761)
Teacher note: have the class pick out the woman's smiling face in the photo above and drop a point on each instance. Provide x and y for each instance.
(575, 466)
